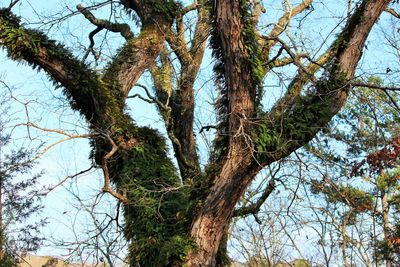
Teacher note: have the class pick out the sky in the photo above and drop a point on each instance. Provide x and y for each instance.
(47, 108)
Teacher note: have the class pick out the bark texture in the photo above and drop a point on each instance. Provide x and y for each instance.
(173, 220)
(239, 167)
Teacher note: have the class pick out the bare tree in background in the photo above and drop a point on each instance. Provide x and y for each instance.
(19, 196)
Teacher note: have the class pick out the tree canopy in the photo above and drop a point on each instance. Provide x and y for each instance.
(178, 214)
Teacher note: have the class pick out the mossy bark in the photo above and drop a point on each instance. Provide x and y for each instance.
(170, 223)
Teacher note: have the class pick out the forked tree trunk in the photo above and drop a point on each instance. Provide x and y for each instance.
(240, 167)
(99, 100)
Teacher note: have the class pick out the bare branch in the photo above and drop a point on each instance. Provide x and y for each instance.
(393, 12)
(30, 124)
(392, 100)
(294, 57)
(51, 188)
(12, 4)
(45, 150)
(123, 28)
(283, 22)
(107, 184)
(374, 86)
(91, 45)
(152, 98)
(255, 207)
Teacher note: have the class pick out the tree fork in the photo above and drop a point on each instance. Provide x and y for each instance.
(239, 167)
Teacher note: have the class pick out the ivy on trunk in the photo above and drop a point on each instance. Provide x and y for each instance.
(176, 217)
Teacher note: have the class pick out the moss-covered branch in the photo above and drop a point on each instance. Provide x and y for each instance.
(297, 118)
(137, 168)
(82, 86)
(140, 53)
(179, 98)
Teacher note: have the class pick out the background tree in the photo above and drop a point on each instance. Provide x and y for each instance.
(19, 197)
(97, 230)
(181, 216)
(352, 170)
(366, 129)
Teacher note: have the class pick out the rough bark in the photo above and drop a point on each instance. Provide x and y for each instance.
(139, 53)
(180, 120)
(101, 100)
(235, 173)
(239, 167)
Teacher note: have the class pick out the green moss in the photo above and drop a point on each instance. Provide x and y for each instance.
(293, 127)
(265, 139)
(168, 8)
(253, 50)
(252, 64)
(156, 214)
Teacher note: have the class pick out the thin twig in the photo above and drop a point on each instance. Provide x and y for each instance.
(122, 28)
(107, 184)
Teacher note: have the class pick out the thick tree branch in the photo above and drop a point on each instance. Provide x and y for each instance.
(140, 53)
(177, 38)
(63, 68)
(201, 32)
(239, 89)
(135, 57)
(316, 109)
(177, 42)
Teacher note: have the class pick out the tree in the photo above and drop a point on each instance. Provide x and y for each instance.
(353, 165)
(176, 216)
(19, 197)
(97, 235)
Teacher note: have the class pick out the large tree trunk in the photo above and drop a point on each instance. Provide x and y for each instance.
(140, 167)
(235, 174)
(240, 166)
